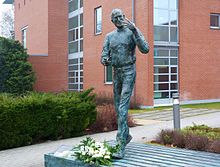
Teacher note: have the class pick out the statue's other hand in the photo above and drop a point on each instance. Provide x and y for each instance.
(105, 62)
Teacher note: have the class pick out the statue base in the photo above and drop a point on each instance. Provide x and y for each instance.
(146, 155)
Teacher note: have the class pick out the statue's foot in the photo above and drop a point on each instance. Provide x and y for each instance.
(119, 155)
(129, 139)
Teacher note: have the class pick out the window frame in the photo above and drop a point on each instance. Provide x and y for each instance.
(24, 36)
(95, 20)
(215, 27)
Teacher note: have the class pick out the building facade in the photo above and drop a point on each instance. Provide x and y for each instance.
(65, 38)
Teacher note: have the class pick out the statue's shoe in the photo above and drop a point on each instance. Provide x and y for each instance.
(119, 155)
(129, 139)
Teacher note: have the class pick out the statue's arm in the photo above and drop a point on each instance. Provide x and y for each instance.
(140, 41)
(138, 37)
(105, 58)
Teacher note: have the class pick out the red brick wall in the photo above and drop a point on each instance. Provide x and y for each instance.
(199, 60)
(34, 15)
(46, 34)
(93, 70)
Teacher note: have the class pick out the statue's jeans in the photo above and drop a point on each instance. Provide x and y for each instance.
(124, 79)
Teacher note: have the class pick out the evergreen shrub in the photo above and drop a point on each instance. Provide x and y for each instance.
(37, 117)
(16, 74)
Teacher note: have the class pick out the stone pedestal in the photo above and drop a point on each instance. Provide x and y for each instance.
(146, 155)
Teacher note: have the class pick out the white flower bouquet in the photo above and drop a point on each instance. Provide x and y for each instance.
(91, 152)
(95, 153)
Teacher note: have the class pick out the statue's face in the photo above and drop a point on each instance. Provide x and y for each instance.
(118, 19)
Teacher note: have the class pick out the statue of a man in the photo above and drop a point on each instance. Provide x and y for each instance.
(119, 52)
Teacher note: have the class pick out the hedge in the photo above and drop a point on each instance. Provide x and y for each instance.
(38, 117)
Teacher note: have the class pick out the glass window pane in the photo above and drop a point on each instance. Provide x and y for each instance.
(81, 86)
(173, 93)
(73, 22)
(173, 69)
(77, 33)
(173, 18)
(161, 33)
(71, 74)
(81, 60)
(173, 77)
(72, 35)
(73, 47)
(98, 20)
(161, 95)
(161, 4)
(81, 73)
(81, 67)
(71, 68)
(81, 32)
(174, 86)
(214, 21)
(163, 53)
(161, 70)
(109, 74)
(73, 5)
(71, 80)
(81, 3)
(81, 45)
(173, 53)
(73, 61)
(161, 78)
(173, 34)
(173, 4)
(81, 19)
(161, 61)
(73, 86)
(161, 17)
(173, 61)
(163, 86)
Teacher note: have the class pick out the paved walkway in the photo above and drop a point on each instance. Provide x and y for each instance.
(167, 114)
(33, 156)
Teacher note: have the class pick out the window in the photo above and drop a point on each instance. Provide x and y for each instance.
(165, 21)
(76, 34)
(108, 74)
(75, 74)
(75, 45)
(215, 21)
(98, 20)
(165, 72)
(24, 37)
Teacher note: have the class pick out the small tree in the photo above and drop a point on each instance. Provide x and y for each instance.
(16, 74)
(7, 24)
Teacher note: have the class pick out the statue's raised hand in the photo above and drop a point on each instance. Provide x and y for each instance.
(130, 24)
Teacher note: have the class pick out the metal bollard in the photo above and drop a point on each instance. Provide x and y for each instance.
(176, 111)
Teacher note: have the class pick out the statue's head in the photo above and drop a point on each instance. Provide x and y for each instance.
(118, 18)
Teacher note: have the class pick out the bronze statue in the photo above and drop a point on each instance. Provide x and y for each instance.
(119, 52)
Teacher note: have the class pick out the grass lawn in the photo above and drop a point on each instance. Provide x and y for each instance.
(204, 105)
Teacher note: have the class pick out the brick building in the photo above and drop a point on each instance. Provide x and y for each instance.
(64, 40)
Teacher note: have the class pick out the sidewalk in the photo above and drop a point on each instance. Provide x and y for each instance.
(32, 156)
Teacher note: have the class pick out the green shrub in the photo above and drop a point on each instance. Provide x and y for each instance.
(44, 116)
(196, 137)
(203, 130)
(16, 74)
